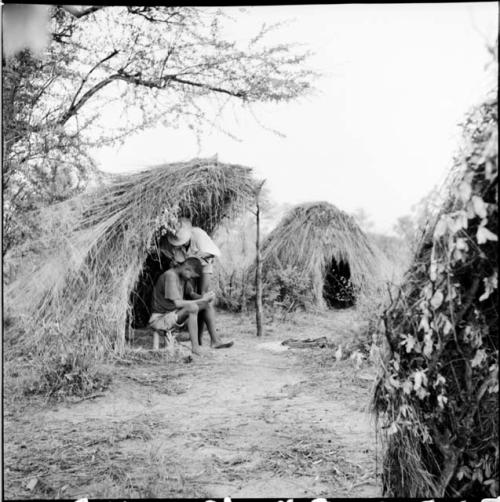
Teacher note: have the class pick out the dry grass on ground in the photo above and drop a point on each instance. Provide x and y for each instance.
(256, 420)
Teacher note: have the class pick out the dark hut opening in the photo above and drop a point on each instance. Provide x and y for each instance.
(338, 291)
(140, 298)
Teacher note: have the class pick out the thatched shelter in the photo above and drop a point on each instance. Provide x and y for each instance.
(437, 395)
(96, 265)
(327, 250)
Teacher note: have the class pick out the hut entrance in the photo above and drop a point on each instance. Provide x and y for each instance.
(140, 298)
(338, 291)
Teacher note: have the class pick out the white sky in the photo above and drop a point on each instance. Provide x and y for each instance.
(381, 129)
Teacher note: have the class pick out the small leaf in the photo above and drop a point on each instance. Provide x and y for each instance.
(437, 299)
(409, 341)
(418, 377)
(458, 221)
(442, 400)
(407, 386)
(424, 324)
(441, 227)
(461, 244)
(422, 393)
(428, 346)
(490, 284)
(483, 235)
(447, 327)
(464, 191)
(478, 358)
(394, 383)
(479, 206)
(440, 379)
(458, 255)
(433, 271)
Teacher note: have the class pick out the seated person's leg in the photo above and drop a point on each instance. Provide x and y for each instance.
(204, 286)
(208, 314)
(191, 315)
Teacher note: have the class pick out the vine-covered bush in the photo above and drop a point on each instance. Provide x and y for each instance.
(437, 397)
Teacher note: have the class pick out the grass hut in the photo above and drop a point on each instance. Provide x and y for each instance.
(437, 396)
(323, 251)
(97, 265)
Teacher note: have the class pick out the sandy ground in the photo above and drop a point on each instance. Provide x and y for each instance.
(255, 420)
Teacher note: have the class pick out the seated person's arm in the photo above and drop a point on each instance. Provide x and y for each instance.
(173, 293)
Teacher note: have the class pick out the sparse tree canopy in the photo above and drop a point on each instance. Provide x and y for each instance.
(113, 71)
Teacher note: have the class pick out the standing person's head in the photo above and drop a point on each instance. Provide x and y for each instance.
(183, 234)
(191, 268)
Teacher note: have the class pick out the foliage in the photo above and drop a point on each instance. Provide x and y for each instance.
(113, 71)
(438, 395)
(287, 289)
(234, 290)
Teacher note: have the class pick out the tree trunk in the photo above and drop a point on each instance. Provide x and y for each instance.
(258, 273)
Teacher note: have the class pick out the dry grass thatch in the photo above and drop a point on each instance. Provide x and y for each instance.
(79, 289)
(437, 397)
(309, 237)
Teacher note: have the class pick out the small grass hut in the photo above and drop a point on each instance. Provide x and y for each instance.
(98, 263)
(437, 396)
(322, 250)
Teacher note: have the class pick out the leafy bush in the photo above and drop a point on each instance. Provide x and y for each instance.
(234, 290)
(438, 394)
(286, 289)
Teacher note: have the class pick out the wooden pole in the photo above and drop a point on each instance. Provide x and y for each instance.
(258, 269)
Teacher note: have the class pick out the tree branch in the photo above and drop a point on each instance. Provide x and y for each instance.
(238, 94)
(74, 109)
(161, 84)
(84, 80)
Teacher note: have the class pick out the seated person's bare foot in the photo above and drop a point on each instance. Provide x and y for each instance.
(219, 344)
(199, 351)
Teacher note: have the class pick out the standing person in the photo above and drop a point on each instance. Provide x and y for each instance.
(171, 310)
(194, 241)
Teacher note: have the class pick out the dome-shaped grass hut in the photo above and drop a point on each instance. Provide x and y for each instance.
(327, 251)
(437, 396)
(96, 266)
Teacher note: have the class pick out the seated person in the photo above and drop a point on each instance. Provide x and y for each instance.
(171, 310)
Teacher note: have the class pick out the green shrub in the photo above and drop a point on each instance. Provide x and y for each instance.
(234, 290)
(286, 289)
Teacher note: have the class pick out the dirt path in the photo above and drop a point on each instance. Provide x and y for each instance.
(252, 421)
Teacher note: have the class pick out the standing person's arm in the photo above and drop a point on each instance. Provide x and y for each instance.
(202, 245)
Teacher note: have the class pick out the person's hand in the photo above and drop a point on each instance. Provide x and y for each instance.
(209, 296)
